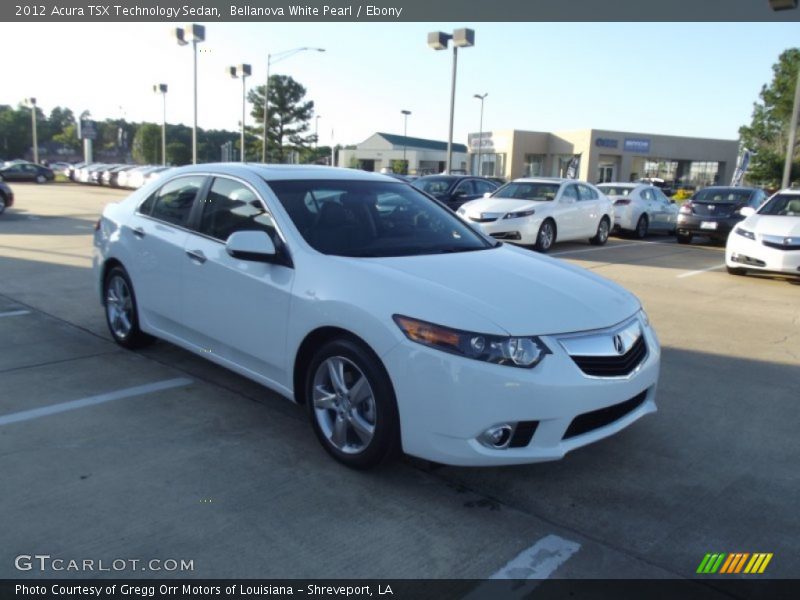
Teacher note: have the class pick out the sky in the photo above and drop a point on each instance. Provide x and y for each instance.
(687, 79)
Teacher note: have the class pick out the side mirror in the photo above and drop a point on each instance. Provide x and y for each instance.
(251, 245)
(747, 211)
(459, 194)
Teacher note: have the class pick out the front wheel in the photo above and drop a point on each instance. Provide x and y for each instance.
(684, 238)
(546, 237)
(601, 237)
(735, 270)
(352, 405)
(122, 314)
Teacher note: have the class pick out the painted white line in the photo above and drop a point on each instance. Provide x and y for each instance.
(615, 246)
(53, 409)
(692, 273)
(14, 313)
(540, 560)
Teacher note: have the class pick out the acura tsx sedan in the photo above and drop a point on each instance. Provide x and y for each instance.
(397, 325)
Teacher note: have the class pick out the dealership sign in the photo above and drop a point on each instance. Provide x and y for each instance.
(641, 145)
(483, 141)
(606, 143)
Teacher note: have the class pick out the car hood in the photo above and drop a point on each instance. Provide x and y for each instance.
(772, 225)
(499, 205)
(521, 292)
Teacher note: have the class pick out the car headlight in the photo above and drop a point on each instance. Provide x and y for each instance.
(519, 214)
(523, 352)
(644, 317)
(744, 233)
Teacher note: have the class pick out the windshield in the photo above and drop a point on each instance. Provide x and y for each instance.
(782, 205)
(737, 196)
(373, 218)
(435, 186)
(611, 190)
(519, 190)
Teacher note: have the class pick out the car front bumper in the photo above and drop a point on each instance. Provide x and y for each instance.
(446, 402)
(744, 253)
(517, 231)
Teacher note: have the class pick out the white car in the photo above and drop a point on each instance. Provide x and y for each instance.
(768, 239)
(640, 208)
(538, 211)
(395, 323)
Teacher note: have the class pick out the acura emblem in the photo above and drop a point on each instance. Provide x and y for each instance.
(711, 207)
(787, 241)
(619, 346)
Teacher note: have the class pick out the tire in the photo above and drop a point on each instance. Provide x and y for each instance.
(361, 431)
(1, 178)
(601, 237)
(546, 236)
(122, 316)
(684, 238)
(41, 179)
(735, 271)
(642, 226)
(2, 204)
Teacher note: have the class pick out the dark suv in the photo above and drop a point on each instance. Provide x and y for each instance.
(455, 190)
(713, 211)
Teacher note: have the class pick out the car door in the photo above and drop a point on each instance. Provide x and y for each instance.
(589, 210)
(156, 236)
(464, 191)
(567, 213)
(13, 173)
(236, 310)
(665, 215)
(483, 187)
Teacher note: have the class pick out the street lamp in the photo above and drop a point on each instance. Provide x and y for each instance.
(316, 133)
(480, 130)
(161, 88)
(405, 114)
(273, 58)
(787, 165)
(243, 72)
(462, 38)
(32, 103)
(195, 34)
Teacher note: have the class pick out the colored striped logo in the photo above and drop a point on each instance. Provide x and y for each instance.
(737, 562)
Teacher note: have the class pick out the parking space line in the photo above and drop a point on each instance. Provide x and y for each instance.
(14, 313)
(540, 560)
(53, 409)
(624, 245)
(697, 272)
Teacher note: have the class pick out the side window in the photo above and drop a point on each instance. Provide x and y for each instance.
(173, 202)
(481, 187)
(648, 195)
(570, 191)
(465, 188)
(587, 193)
(232, 206)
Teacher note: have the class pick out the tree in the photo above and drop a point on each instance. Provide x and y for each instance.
(147, 144)
(289, 116)
(768, 132)
(178, 153)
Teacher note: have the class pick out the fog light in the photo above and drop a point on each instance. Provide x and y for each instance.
(497, 437)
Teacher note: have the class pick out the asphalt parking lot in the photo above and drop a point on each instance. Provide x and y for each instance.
(108, 454)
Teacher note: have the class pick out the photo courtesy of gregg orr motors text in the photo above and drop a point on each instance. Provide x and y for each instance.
(43, 563)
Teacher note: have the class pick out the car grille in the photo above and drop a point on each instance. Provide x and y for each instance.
(507, 235)
(480, 220)
(605, 416)
(782, 246)
(704, 209)
(613, 366)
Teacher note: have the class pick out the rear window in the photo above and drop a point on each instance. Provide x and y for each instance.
(722, 195)
(609, 190)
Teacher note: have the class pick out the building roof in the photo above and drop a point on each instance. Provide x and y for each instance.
(414, 142)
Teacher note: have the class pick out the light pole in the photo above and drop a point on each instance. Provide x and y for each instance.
(195, 34)
(787, 165)
(273, 58)
(316, 134)
(405, 114)
(462, 38)
(480, 131)
(32, 103)
(243, 72)
(161, 88)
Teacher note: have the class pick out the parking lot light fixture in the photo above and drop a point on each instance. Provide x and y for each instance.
(316, 133)
(32, 103)
(480, 97)
(271, 59)
(161, 88)
(405, 114)
(438, 40)
(242, 72)
(193, 34)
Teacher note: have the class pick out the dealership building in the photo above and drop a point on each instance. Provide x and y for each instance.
(382, 151)
(603, 156)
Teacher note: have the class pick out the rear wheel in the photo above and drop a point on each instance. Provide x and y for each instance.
(735, 270)
(684, 238)
(122, 314)
(41, 179)
(2, 203)
(641, 227)
(546, 236)
(601, 237)
(352, 405)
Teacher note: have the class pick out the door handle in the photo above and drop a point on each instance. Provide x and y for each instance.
(197, 255)
(138, 232)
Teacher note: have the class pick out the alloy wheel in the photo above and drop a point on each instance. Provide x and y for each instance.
(119, 306)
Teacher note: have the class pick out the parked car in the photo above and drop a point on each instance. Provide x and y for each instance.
(59, 167)
(136, 177)
(109, 176)
(6, 197)
(714, 211)
(26, 172)
(538, 211)
(768, 239)
(640, 208)
(72, 171)
(454, 190)
(396, 324)
(155, 174)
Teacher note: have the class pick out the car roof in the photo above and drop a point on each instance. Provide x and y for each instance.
(558, 180)
(280, 172)
(728, 188)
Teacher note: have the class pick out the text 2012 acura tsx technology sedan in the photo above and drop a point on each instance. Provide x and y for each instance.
(399, 326)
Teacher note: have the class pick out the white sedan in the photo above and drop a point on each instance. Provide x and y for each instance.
(768, 239)
(356, 296)
(538, 211)
(640, 208)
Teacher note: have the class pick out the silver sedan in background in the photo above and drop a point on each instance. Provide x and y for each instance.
(640, 208)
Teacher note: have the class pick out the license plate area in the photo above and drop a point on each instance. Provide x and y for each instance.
(708, 225)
